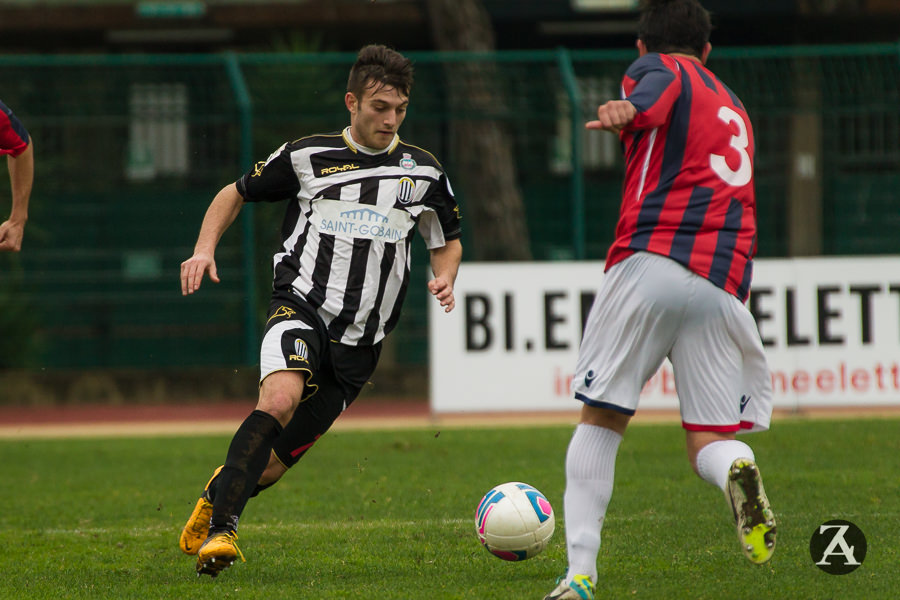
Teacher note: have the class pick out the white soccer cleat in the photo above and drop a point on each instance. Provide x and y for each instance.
(580, 588)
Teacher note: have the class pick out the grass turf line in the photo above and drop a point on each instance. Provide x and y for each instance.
(390, 515)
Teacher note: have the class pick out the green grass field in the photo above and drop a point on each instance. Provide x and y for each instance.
(389, 515)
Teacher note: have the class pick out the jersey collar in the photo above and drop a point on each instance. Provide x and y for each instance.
(351, 143)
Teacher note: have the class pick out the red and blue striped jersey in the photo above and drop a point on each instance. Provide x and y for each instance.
(13, 135)
(688, 192)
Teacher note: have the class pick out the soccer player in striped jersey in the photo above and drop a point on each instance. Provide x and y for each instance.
(16, 144)
(354, 202)
(677, 277)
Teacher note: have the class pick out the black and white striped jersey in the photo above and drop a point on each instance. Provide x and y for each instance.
(349, 225)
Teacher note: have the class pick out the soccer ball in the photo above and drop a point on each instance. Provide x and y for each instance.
(514, 521)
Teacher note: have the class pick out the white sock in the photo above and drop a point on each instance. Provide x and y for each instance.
(590, 468)
(714, 460)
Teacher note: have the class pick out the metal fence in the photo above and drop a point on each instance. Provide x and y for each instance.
(131, 149)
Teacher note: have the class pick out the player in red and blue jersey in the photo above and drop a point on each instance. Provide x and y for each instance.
(16, 144)
(676, 280)
(688, 190)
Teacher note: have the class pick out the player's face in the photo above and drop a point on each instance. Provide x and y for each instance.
(376, 117)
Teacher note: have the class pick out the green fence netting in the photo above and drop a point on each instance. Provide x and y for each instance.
(131, 149)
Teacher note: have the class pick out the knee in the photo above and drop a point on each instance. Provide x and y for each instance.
(279, 395)
(279, 406)
(604, 417)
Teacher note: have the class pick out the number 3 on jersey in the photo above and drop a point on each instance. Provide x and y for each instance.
(744, 172)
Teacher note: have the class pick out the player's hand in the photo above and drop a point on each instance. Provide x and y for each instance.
(11, 236)
(193, 269)
(442, 289)
(613, 116)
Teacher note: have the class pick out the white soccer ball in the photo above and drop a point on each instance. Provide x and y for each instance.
(514, 521)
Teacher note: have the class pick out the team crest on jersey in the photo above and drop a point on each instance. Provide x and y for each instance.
(407, 162)
(406, 189)
(301, 353)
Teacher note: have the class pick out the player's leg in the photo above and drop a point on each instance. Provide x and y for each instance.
(247, 457)
(196, 530)
(307, 425)
(717, 373)
(289, 356)
(343, 372)
(590, 472)
(312, 418)
(730, 465)
(629, 331)
(250, 449)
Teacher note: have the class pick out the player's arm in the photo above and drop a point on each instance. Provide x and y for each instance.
(222, 212)
(269, 180)
(652, 90)
(445, 265)
(442, 239)
(21, 179)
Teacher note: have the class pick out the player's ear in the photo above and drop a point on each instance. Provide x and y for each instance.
(641, 46)
(706, 50)
(351, 102)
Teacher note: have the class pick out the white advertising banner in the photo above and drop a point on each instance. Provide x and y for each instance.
(830, 326)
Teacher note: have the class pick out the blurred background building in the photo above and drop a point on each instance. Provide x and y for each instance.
(142, 110)
(265, 25)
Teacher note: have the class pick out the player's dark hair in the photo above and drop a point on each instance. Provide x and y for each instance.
(674, 26)
(378, 65)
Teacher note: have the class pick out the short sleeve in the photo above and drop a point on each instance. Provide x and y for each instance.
(270, 180)
(443, 203)
(14, 137)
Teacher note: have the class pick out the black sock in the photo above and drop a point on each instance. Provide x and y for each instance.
(211, 491)
(260, 487)
(245, 462)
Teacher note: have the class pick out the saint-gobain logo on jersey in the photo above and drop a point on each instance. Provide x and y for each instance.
(838, 547)
(351, 220)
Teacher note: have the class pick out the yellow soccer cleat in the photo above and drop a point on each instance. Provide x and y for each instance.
(218, 553)
(196, 529)
(752, 514)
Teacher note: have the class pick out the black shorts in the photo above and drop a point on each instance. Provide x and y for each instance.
(297, 339)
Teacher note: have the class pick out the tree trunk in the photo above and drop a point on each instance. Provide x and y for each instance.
(485, 166)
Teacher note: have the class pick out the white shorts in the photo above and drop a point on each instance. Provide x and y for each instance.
(649, 307)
